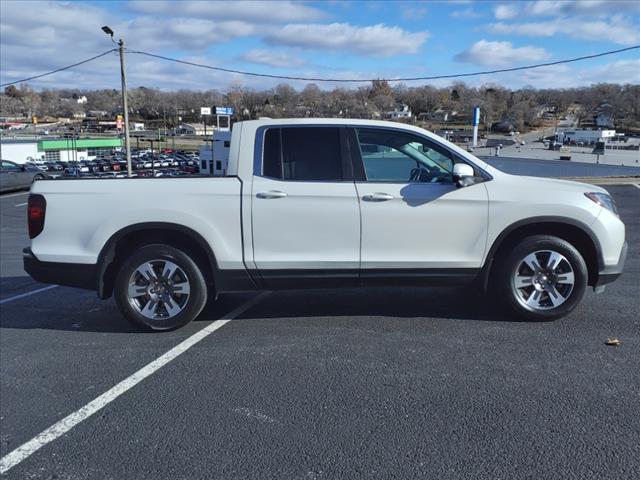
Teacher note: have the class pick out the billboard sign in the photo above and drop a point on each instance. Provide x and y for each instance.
(224, 110)
(205, 110)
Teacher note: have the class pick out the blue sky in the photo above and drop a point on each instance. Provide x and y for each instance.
(338, 39)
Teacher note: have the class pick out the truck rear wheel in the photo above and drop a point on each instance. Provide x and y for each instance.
(541, 278)
(160, 287)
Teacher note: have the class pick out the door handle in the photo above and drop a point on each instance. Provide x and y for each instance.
(378, 197)
(271, 194)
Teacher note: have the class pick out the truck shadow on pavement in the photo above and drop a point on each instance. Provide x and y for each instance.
(77, 310)
(70, 309)
(395, 302)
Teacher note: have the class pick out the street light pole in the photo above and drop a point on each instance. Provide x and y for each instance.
(125, 106)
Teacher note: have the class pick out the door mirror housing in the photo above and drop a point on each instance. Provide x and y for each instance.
(463, 175)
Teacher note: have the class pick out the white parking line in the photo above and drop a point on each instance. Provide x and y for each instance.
(22, 295)
(21, 204)
(63, 426)
(9, 195)
(636, 185)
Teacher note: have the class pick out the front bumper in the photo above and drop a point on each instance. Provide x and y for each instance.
(610, 274)
(78, 275)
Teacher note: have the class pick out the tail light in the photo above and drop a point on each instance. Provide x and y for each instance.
(35, 214)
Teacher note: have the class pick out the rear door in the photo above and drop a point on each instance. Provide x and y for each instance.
(415, 221)
(305, 213)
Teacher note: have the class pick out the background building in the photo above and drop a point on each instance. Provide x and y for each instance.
(586, 136)
(59, 149)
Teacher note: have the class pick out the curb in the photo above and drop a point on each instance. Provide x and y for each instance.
(606, 180)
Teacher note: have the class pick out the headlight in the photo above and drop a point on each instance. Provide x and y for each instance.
(603, 200)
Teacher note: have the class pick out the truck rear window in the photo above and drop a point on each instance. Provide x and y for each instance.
(302, 153)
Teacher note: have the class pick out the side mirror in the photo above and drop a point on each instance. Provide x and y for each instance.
(463, 174)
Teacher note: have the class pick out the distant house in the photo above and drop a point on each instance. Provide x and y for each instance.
(604, 119)
(600, 117)
(439, 115)
(401, 112)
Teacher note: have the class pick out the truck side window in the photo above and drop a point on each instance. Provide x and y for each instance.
(303, 154)
(392, 156)
(272, 156)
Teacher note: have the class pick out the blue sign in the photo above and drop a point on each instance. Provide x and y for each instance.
(224, 110)
(476, 116)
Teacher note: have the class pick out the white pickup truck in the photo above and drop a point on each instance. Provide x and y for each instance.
(325, 203)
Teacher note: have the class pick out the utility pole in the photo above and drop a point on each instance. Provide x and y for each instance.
(125, 106)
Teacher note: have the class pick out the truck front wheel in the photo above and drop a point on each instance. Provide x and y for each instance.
(160, 287)
(541, 278)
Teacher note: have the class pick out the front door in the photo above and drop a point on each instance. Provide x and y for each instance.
(414, 219)
(305, 214)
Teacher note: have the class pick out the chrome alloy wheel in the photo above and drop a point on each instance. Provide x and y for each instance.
(158, 289)
(543, 280)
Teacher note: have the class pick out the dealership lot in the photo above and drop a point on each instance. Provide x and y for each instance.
(376, 383)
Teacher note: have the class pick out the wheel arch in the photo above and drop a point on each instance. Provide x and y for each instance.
(121, 243)
(576, 233)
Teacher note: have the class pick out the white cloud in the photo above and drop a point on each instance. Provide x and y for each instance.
(505, 12)
(558, 8)
(181, 33)
(622, 71)
(259, 11)
(488, 53)
(271, 58)
(617, 30)
(466, 13)
(377, 40)
(565, 76)
(582, 7)
(41, 36)
(414, 12)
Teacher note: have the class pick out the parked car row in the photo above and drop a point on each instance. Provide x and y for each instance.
(115, 165)
(164, 172)
(15, 176)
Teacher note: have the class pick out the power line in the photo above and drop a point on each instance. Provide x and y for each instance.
(359, 80)
(59, 69)
(335, 80)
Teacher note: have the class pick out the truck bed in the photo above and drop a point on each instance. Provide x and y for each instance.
(81, 215)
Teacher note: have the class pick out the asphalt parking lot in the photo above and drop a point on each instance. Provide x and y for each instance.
(376, 383)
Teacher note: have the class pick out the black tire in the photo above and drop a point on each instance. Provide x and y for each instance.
(38, 177)
(191, 306)
(512, 264)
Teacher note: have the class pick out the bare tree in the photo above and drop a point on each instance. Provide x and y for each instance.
(522, 107)
(311, 98)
